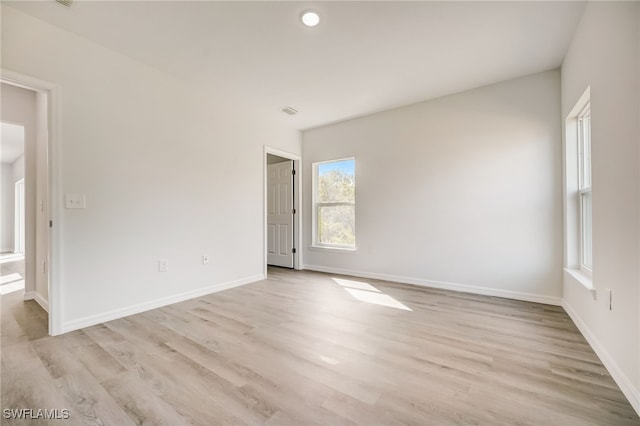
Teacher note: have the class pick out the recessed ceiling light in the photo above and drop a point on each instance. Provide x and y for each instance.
(310, 18)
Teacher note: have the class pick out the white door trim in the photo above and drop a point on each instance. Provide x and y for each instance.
(297, 204)
(54, 182)
(19, 217)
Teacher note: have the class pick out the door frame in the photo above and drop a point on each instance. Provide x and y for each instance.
(53, 203)
(19, 217)
(297, 205)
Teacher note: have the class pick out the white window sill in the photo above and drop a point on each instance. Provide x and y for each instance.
(582, 278)
(334, 249)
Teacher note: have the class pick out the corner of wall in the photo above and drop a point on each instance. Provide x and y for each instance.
(618, 375)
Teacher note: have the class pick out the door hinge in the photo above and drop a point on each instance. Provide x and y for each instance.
(293, 250)
(50, 224)
(293, 172)
(293, 211)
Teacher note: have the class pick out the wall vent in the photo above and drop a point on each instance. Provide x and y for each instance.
(67, 3)
(289, 110)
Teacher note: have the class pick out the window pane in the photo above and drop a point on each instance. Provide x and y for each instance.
(585, 207)
(586, 122)
(336, 182)
(585, 149)
(336, 225)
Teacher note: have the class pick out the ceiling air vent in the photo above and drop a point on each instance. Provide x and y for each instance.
(289, 110)
(67, 3)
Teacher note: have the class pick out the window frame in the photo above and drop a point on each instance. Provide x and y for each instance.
(575, 225)
(585, 197)
(316, 243)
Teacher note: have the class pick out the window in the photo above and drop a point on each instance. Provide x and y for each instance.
(334, 204)
(584, 187)
(578, 261)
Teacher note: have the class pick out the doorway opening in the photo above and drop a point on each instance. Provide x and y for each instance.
(282, 218)
(12, 214)
(32, 104)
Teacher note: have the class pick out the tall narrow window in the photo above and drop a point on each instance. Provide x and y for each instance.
(334, 209)
(584, 187)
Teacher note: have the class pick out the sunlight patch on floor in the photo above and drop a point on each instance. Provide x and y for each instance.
(6, 279)
(11, 287)
(11, 257)
(356, 284)
(376, 298)
(365, 292)
(10, 283)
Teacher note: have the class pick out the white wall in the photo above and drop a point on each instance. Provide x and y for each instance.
(7, 212)
(462, 192)
(169, 172)
(605, 55)
(19, 106)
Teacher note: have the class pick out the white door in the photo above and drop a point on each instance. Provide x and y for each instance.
(280, 214)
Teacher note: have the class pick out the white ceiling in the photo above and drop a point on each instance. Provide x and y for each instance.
(363, 57)
(11, 142)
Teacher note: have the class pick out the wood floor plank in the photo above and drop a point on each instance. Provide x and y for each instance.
(141, 404)
(98, 362)
(89, 401)
(299, 349)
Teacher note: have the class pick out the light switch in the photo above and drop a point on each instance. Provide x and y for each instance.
(75, 201)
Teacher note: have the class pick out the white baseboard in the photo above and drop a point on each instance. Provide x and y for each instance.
(486, 291)
(37, 297)
(158, 303)
(625, 384)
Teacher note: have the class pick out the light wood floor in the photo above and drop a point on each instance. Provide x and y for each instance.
(300, 349)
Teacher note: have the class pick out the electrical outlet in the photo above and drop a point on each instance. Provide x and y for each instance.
(163, 265)
(205, 259)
